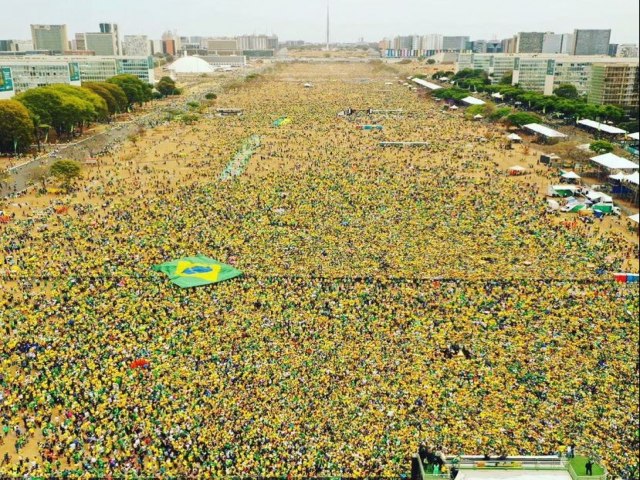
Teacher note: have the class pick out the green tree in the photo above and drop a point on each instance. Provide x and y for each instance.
(500, 113)
(166, 86)
(522, 118)
(431, 61)
(211, 96)
(567, 90)
(136, 90)
(66, 171)
(601, 146)
(118, 94)
(16, 127)
(95, 102)
(105, 94)
(55, 107)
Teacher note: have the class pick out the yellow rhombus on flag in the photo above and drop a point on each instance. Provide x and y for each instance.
(197, 271)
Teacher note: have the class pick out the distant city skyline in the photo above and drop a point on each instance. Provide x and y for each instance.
(305, 20)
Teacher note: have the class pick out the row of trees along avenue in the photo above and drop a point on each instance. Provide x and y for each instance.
(66, 110)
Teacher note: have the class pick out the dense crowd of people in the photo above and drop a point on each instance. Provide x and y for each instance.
(390, 297)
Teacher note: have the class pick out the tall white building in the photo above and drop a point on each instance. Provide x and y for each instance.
(136, 45)
(627, 50)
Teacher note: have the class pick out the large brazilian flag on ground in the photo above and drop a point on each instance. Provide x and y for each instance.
(197, 271)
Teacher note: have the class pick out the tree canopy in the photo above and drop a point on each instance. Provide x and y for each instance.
(65, 171)
(601, 146)
(136, 90)
(166, 86)
(522, 118)
(567, 90)
(16, 126)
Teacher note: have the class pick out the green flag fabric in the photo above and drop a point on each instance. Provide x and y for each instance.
(197, 271)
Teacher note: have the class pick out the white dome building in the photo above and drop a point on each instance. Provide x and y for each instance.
(190, 65)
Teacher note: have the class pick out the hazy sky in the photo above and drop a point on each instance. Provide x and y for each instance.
(305, 19)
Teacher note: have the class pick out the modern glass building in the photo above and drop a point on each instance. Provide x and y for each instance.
(37, 71)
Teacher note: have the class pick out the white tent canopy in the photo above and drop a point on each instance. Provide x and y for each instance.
(618, 176)
(635, 218)
(497, 95)
(514, 137)
(517, 168)
(477, 117)
(602, 127)
(570, 175)
(614, 162)
(453, 107)
(543, 130)
(424, 83)
(634, 136)
(633, 178)
(473, 101)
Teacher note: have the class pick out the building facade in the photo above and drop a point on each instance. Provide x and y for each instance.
(105, 44)
(591, 42)
(529, 42)
(113, 29)
(223, 46)
(136, 46)
(454, 44)
(50, 37)
(544, 73)
(614, 84)
(552, 43)
(38, 71)
(627, 50)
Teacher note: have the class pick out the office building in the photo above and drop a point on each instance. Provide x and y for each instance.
(552, 43)
(614, 84)
(627, 50)
(104, 44)
(7, 46)
(509, 44)
(432, 43)
(613, 49)
(257, 42)
(50, 37)
(170, 43)
(544, 73)
(136, 46)
(454, 44)
(529, 42)
(494, 46)
(40, 70)
(567, 43)
(223, 46)
(112, 28)
(479, 46)
(591, 42)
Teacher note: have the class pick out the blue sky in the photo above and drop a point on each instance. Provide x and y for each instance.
(305, 19)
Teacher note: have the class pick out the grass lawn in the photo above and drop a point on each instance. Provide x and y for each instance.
(579, 462)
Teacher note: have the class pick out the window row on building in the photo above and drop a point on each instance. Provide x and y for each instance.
(603, 80)
(18, 74)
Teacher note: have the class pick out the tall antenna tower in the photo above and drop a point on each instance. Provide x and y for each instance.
(327, 25)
